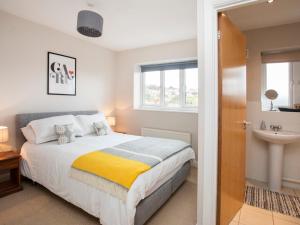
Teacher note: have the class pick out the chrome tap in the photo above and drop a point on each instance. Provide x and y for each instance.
(276, 128)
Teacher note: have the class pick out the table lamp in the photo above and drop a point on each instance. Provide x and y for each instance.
(4, 139)
(111, 120)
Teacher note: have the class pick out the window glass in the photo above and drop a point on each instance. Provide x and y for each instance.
(277, 78)
(152, 88)
(166, 86)
(191, 87)
(172, 87)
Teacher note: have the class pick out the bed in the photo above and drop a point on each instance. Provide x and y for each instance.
(49, 165)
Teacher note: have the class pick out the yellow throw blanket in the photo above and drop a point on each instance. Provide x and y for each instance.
(111, 167)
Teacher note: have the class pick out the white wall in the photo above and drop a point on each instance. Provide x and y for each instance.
(23, 78)
(259, 40)
(23, 71)
(131, 120)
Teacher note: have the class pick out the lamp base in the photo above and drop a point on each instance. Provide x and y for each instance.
(5, 148)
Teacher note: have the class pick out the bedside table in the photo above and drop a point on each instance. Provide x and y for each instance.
(10, 161)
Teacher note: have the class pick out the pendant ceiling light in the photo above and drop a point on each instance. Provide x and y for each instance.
(89, 23)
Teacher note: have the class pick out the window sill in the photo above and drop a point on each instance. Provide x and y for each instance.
(158, 109)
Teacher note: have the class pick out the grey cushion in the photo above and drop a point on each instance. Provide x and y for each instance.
(100, 128)
(65, 133)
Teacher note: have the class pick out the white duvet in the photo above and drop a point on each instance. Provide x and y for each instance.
(49, 165)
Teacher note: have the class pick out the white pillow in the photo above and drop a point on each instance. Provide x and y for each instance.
(44, 129)
(87, 122)
(29, 134)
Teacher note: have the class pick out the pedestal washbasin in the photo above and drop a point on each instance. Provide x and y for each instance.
(277, 137)
(276, 141)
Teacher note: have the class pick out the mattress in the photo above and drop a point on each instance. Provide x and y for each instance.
(49, 165)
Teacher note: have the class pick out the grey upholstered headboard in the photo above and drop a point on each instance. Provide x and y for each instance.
(23, 119)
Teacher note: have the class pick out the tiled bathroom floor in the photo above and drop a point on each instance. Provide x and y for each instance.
(250, 215)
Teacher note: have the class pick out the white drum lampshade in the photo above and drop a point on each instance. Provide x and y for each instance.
(111, 121)
(3, 134)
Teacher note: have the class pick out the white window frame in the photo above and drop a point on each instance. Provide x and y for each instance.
(183, 107)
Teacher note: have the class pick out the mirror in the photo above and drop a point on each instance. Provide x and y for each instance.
(271, 94)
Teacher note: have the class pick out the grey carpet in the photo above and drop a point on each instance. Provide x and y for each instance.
(274, 201)
(37, 206)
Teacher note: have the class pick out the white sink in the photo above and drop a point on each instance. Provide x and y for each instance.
(276, 141)
(277, 137)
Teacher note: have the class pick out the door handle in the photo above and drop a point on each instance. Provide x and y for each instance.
(245, 124)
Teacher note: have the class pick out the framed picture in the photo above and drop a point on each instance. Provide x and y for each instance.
(61, 74)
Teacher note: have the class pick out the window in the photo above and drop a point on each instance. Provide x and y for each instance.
(152, 88)
(191, 85)
(170, 86)
(281, 72)
(277, 77)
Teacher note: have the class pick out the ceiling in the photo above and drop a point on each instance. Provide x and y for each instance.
(266, 15)
(127, 23)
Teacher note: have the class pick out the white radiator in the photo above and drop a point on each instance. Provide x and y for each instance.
(151, 132)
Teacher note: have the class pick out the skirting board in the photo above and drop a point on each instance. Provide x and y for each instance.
(291, 183)
(286, 182)
(194, 163)
(193, 176)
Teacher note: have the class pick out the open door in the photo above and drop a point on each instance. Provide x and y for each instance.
(232, 116)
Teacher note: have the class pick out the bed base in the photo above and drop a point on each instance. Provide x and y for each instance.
(148, 206)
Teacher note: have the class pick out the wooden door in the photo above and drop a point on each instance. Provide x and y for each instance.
(232, 114)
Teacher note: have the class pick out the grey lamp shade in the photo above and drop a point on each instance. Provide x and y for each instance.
(89, 23)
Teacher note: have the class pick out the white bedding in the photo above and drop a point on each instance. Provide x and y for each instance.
(49, 164)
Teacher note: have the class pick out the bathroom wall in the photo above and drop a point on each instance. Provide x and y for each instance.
(285, 36)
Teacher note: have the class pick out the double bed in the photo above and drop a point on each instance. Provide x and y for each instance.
(49, 164)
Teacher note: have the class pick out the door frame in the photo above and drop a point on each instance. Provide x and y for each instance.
(208, 105)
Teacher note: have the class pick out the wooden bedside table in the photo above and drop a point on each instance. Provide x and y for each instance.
(10, 161)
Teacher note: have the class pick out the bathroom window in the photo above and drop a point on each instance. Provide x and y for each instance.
(167, 87)
(281, 72)
(278, 78)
